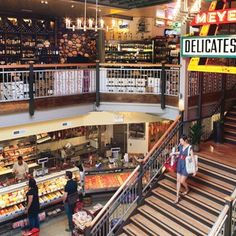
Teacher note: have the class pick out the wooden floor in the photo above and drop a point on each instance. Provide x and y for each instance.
(223, 153)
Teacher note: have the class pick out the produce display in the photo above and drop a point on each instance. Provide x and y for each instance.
(114, 180)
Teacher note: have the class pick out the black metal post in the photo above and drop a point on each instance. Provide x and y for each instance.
(31, 90)
(222, 106)
(97, 84)
(87, 231)
(163, 86)
(200, 87)
(181, 129)
(140, 183)
(229, 218)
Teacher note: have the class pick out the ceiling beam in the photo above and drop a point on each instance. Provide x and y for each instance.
(106, 3)
(148, 3)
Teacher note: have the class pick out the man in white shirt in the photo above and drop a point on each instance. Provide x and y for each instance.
(20, 169)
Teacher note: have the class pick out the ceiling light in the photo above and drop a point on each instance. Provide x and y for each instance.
(86, 23)
(44, 2)
(72, 6)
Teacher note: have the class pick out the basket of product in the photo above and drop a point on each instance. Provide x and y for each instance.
(81, 219)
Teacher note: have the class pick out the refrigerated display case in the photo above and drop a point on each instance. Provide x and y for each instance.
(12, 198)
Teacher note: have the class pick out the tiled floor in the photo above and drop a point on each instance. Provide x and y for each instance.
(53, 227)
(56, 226)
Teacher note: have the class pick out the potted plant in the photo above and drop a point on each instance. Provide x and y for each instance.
(196, 132)
(218, 131)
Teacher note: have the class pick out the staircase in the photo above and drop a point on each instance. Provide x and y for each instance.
(195, 214)
(230, 126)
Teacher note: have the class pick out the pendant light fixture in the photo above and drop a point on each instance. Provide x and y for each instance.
(86, 23)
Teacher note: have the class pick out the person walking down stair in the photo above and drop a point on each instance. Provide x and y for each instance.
(184, 150)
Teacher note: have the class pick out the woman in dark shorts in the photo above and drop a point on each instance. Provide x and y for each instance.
(184, 150)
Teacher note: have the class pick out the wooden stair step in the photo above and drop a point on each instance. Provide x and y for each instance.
(220, 177)
(153, 229)
(230, 124)
(232, 131)
(230, 137)
(123, 234)
(202, 188)
(178, 215)
(232, 112)
(192, 196)
(133, 230)
(217, 171)
(231, 118)
(156, 216)
(198, 212)
(219, 165)
(215, 182)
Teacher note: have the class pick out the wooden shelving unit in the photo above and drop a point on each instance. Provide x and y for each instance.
(28, 40)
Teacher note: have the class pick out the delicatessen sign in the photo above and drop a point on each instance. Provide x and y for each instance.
(221, 46)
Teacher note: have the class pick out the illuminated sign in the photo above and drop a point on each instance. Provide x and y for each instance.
(225, 16)
(221, 46)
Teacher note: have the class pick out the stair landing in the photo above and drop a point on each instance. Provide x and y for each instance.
(221, 153)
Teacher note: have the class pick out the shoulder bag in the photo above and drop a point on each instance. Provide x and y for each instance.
(191, 163)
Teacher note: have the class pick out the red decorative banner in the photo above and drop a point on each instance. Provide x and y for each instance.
(225, 16)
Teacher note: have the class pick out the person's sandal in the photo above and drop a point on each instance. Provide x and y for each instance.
(177, 200)
(185, 193)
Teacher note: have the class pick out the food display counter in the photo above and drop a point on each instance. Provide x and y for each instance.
(12, 198)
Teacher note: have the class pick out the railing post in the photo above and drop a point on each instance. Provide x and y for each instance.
(31, 89)
(87, 231)
(200, 86)
(181, 128)
(97, 84)
(228, 226)
(140, 182)
(163, 86)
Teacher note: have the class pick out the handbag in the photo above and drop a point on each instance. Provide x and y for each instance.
(171, 163)
(191, 163)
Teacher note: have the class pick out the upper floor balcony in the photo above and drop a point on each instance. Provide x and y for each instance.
(57, 91)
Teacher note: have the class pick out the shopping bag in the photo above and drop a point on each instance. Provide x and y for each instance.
(191, 163)
(171, 163)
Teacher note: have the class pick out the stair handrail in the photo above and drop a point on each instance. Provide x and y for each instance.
(137, 173)
(220, 101)
(224, 215)
(159, 142)
(104, 209)
(219, 222)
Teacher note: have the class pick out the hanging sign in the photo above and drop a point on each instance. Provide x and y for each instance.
(225, 16)
(221, 46)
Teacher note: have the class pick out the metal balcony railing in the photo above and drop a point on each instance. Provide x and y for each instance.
(139, 80)
(47, 82)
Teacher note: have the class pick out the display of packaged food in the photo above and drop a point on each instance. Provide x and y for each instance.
(81, 218)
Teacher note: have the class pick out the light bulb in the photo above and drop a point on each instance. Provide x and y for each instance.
(102, 23)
